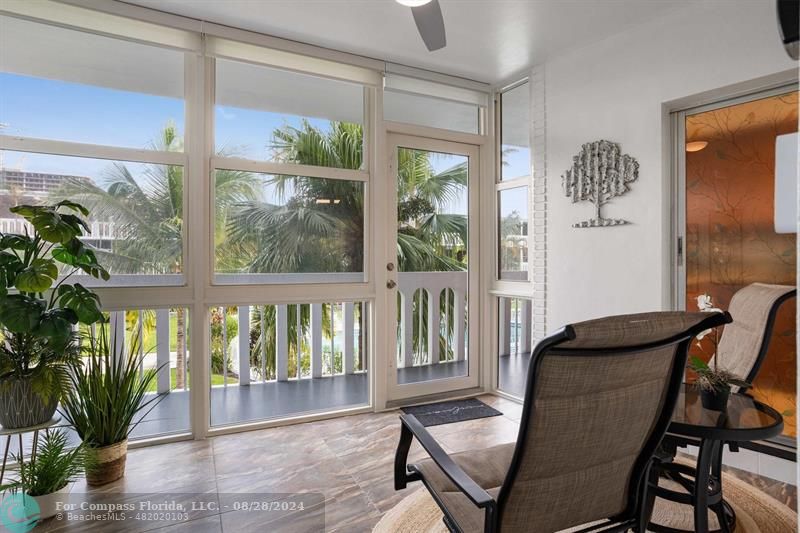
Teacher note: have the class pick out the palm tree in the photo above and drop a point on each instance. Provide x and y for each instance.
(317, 225)
(147, 215)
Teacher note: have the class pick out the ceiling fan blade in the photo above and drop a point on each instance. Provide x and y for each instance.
(430, 24)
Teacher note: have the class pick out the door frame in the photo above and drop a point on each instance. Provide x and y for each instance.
(444, 142)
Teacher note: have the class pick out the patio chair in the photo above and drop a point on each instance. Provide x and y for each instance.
(598, 400)
(741, 350)
(744, 343)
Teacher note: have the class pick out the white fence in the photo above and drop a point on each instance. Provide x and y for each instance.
(97, 230)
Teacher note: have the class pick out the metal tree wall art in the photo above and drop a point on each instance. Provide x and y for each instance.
(599, 172)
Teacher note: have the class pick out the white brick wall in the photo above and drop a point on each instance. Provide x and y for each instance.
(539, 191)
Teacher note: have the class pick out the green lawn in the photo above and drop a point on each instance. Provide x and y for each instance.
(216, 379)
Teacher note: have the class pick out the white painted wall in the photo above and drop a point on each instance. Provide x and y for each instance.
(615, 90)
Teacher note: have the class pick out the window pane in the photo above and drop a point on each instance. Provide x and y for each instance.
(288, 229)
(433, 261)
(274, 115)
(159, 340)
(72, 86)
(515, 133)
(513, 233)
(514, 327)
(273, 361)
(136, 210)
(432, 112)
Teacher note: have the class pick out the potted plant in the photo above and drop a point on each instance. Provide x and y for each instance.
(38, 309)
(715, 384)
(48, 477)
(106, 396)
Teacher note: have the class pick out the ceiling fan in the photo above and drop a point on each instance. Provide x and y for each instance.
(429, 20)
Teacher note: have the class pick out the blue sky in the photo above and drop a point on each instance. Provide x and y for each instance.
(42, 108)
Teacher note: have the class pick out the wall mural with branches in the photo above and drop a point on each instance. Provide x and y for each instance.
(730, 234)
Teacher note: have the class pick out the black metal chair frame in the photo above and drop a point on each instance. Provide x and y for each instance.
(634, 516)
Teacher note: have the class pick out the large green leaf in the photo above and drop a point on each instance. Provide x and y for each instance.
(84, 302)
(38, 277)
(15, 242)
(74, 253)
(51, 225)
(74, 206)
(10, 265)
(20, 313)
(56, 325)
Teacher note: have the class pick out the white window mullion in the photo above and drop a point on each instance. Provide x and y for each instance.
(95, 151)
(199, 144)
(288, 169)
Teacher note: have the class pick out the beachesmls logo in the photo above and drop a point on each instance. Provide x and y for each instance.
(18, 512)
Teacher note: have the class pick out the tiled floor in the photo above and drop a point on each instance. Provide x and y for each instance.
(347, 460)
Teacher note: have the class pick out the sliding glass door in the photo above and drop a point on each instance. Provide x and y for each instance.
(738, 168)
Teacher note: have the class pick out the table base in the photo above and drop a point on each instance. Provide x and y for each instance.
(703, 486)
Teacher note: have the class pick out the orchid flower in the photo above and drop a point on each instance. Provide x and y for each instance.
(706, 305)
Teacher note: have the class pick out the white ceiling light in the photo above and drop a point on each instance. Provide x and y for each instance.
(696, 146)
(413, 3)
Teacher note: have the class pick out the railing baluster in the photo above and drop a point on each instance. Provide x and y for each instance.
(162, 351)
(504, 326)
(349, 356)
(316, 340)
(333, 340)
(298, 344)
(446, 323)
(434, 325)
(118, 336)
(140, 333)
(263, 344)
(459, 329)
(244, 345)
(527, 325)
(281, 342)
(421, 327)
(407, 329)
(224, 346)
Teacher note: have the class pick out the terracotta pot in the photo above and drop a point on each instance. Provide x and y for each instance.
(21, 407)
(715, 400)
(109, 463)
(48, 504)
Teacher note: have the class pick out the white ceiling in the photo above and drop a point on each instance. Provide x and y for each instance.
(487, 40)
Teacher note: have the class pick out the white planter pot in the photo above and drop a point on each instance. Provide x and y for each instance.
(48, 504)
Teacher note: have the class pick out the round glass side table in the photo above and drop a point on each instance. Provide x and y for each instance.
(745, 419)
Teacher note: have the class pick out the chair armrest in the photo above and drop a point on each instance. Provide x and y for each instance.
(411, 426)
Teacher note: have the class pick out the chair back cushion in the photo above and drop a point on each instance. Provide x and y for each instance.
(744, 342)
(595, 403)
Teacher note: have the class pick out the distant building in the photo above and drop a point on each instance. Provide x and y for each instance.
(19, 187)
(32, 184)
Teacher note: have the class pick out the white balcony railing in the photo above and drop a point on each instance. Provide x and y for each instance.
(105, 231)
(440, 328)
(432, 330)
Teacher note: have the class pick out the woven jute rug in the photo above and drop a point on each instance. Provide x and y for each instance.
(756, 512)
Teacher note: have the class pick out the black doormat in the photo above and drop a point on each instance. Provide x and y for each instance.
(434, 414)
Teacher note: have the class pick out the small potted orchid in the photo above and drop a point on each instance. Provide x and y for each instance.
(715, 383)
